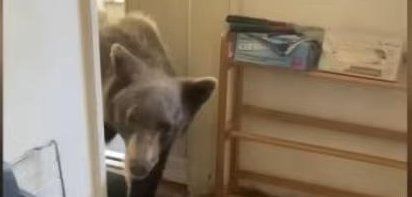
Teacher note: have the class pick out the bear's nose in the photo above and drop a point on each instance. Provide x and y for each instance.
(139, 171)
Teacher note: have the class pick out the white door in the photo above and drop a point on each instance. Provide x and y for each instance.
(51, 90)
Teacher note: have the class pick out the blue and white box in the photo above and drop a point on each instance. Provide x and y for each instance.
(282, 50)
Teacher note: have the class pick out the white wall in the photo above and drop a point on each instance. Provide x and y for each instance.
(172, 19)
(206, 24)
(387, 17)
(48, 90)
(114, 11)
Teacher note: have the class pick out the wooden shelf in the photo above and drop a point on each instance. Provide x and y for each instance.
(319, 149)
(325, 123)
(355, 80)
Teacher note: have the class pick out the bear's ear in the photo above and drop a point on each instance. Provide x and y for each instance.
(195, 92)
(125, 64)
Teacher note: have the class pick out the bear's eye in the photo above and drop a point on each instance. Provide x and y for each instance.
(164, 126)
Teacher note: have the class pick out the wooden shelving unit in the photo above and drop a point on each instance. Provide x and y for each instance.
(230, 131)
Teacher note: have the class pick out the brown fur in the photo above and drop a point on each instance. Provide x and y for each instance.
(143, 99)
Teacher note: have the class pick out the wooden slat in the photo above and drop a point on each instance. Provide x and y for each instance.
(358, 80)
(320, 150)
(237, 125)
(221, 122)
(298, 185)
(326, 123)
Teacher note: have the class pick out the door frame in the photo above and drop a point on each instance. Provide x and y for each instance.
(91, 52)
